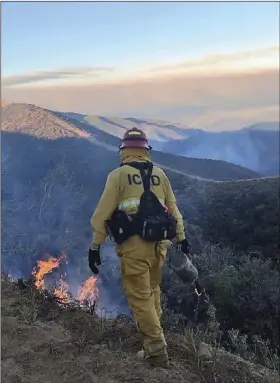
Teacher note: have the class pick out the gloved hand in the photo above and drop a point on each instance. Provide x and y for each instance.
(94, 258)
(199, 288)
(183, 246)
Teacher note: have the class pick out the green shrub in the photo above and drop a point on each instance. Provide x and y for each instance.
(244, 301)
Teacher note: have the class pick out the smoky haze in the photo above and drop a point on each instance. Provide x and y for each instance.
(218, 102)
(50, 189)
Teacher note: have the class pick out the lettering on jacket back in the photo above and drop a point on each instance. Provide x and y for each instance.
(136, 179)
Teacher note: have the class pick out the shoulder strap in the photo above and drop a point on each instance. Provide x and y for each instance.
(145, 168)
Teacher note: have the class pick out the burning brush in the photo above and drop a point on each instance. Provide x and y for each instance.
(85, 294)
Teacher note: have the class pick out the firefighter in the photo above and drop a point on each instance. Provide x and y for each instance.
(141, 261)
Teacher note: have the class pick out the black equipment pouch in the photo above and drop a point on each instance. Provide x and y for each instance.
(120, 226)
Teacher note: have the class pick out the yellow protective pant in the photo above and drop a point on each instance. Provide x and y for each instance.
(141, 270)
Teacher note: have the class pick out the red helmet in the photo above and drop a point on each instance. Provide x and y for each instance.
(135, 138)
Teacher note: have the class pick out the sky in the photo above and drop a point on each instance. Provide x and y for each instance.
(153, 60)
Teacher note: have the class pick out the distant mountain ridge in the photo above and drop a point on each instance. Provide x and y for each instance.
(255, 147)
(273, 126)
(43, 123)
(30, 119)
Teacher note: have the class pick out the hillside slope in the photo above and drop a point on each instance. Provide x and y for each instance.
(255, 147)
(54, 185)
(42, 342)
(30, 119)
(204, 168)
(274, 126)
(38, 122)
(158, 131)
(241, 214)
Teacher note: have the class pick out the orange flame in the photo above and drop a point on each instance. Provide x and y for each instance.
(89, 291)
(62, 291)
(44, 267)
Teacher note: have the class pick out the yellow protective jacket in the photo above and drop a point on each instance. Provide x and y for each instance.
(123, 189)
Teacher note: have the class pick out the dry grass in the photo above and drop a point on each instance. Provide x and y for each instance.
(44, 342)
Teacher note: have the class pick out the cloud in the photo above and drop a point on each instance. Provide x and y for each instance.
(230, 100)
(260, 58)
(56, 74)
(214, 65)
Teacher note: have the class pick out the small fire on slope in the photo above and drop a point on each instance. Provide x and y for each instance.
(62, 291)
(87, 291)
(45, 267)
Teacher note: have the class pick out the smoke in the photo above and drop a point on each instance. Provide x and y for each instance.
(112, 297)
(50, 190)
(56, 74)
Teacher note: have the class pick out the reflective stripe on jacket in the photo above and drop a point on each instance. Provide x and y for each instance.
(134, 203)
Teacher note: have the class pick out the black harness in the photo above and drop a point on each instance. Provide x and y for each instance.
(151, 222)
